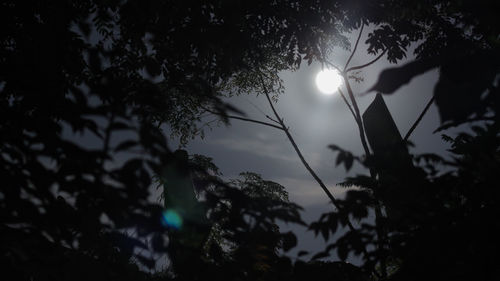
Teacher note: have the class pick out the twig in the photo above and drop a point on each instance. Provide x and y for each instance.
(366, 64)
(355, 47)
(333, 65)
(244, 119)
(419, 118)
(254, 121)
(269, 117)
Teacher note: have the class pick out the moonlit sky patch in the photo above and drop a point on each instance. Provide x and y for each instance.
(316, 120)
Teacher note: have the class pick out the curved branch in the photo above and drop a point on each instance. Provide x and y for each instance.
(355, 47)
(366, 64)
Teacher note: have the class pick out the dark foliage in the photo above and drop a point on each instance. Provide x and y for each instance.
(113, 71)
(437, 225)
(461, 39)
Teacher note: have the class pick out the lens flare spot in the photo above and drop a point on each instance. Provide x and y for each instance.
(171, 218)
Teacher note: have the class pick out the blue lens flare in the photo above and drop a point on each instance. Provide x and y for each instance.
(171, 218)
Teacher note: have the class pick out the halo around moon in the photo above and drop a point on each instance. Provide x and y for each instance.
(328, 81)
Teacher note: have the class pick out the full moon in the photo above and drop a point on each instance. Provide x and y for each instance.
(328, 81)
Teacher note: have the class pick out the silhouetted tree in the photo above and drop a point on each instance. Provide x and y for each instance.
(113, 71)
(110, 72)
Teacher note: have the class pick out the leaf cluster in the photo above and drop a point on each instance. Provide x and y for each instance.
(436, 221)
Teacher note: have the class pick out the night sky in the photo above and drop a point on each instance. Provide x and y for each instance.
(315, 121)
(103, 103)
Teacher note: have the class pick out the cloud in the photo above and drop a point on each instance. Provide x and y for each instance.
(308, 192)
(262, 146)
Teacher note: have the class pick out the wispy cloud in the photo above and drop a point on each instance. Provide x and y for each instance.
(260, 146)
(308, 192)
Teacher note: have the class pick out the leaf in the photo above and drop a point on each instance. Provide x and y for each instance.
(344, 156)
(334, 147)
(289, 241)
(464, 77)
(125, 145)
(447, 138)
(126, 243)
(119, 126)
(340, 158)
(462, 84)
(150, 263)
(158, 243)
(348, 161)
(325, 231)
(302, 253)
(94, 60)
(393, 78)
(342, 251)
(320, 255)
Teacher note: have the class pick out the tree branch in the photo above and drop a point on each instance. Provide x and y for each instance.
(254, 121)
(358, 116)
(333, 65)
(347, 103)
(366, 64)
(355, 47)
(303, 160)
(419, 118)
(244, 119)
(269, 117)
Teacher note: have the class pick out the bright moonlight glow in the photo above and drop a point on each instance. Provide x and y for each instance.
(328, 81)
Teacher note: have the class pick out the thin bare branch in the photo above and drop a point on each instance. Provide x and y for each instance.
(302, 159)
(269, 117)
(419, 118)
(358, 116)
(244, 119)
(266, 92)
(254, 121)
(347, 103)
(355, 46)
(366, 64)
(333, 65)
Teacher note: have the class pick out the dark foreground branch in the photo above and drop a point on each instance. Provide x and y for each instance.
(355, 47)
(366, 64)
(419, 118)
